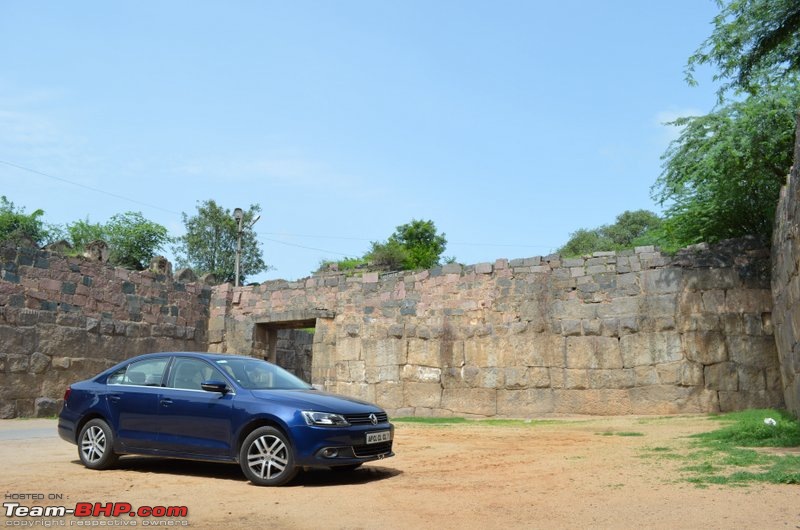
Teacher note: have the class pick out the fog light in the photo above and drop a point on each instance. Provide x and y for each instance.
(330, 452)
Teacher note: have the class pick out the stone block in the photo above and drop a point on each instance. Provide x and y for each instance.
(477, 401)
(357, 370)
(705, 347)
(384, 352)
(670, 399)
(591, 327)
(17, 363)
(646, 375)
(573, 310)
(524, 403)
(700, 322)
(691, 374)
(751, 379)
(659, 305)
(575, 379)
(690, 302)
(389, 395)
(45, 407)
(661, 280)
(593, 401)
(714, 301)
(421, 374)
(628, 325)
(618, 307)
(593, 352)
(612, 378)
(479, 352)
(484, 268)
(641, 349)
(722, 376)
(709, 279)
(38, 363)
(761, 399)
(418, 394)
(748, 350)
(348, 349)
(748, 301)
(516, 377)
(570, 328)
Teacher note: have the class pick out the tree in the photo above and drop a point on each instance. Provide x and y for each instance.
(390, 256)
(632, 228)
(414, 245)
(133, 240)
(83, 232)
(754, 44)
(17, 226)
(721, 178)
(209, 245)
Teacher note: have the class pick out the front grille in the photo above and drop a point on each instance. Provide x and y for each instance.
(364, 419)
(364, 451)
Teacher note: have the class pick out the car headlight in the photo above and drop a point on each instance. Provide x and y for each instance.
(326, 419)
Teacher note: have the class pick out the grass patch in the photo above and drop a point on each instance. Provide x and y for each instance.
(429, 421)
(730, 455)
(620, 433)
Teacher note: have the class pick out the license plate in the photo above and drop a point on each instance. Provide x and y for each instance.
(378, 437)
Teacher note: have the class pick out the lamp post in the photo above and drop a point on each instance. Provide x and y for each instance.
(238, 215)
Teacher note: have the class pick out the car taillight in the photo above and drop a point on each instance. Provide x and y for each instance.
(66, 394)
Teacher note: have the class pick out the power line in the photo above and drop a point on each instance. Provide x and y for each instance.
(84, 186)
(376, 239)
(344, 238)
(305, 247)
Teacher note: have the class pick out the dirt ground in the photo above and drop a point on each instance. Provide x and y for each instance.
(568, 474)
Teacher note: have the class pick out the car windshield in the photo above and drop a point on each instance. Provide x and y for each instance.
(255, 374)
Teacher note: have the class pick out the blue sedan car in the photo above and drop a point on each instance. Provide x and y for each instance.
(220, 408)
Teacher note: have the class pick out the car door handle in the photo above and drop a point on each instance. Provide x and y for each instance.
(114, 399)
(166, 402)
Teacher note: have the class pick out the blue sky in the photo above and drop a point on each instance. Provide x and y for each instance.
(510, 124)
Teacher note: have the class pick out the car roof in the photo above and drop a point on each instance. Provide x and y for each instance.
(199, 355)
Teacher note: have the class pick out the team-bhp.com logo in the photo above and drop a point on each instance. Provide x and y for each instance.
(88, 509)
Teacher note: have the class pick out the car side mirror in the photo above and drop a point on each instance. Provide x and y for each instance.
(214, 386)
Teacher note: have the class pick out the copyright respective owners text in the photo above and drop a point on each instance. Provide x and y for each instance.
(50, 510)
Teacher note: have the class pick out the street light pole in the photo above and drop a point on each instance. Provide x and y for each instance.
(238, 215)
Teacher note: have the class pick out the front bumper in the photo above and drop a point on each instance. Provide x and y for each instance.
(340, 446)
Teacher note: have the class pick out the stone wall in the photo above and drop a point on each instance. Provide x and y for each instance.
(786, 283)
(65, 319)
(613, 333)
(293, 351)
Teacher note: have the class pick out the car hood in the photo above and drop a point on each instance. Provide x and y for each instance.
(316, 400)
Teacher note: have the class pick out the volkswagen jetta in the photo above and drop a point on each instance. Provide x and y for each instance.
(220, 408)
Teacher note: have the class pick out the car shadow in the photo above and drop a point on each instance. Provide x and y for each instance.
(228, 471)
(319, 478)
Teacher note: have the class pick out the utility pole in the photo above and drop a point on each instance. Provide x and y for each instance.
(238, 215)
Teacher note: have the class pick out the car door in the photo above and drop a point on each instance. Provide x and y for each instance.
(194, 421)
(132, 394)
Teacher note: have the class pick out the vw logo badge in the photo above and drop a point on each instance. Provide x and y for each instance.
(373, 418)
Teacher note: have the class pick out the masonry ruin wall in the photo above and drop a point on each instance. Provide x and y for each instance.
(65, 319)
(633, 332)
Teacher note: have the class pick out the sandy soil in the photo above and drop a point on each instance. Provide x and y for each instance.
(562, 475)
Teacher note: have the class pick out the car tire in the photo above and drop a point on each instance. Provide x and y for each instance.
(96, 445)
(266, 457)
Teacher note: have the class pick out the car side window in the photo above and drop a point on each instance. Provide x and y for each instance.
(149, 372)
(189, 374)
